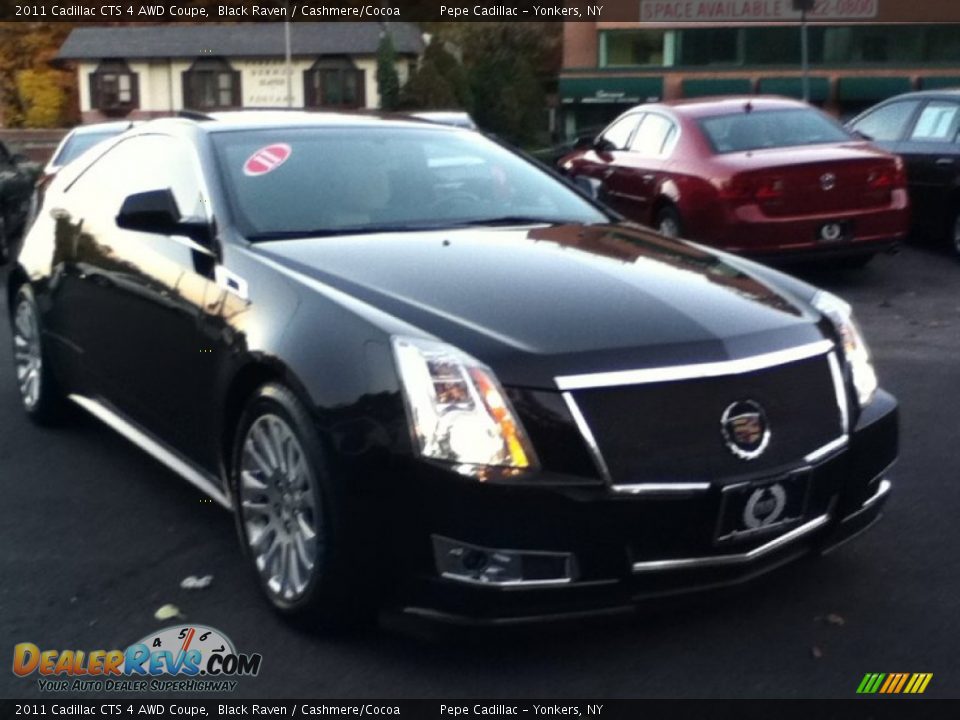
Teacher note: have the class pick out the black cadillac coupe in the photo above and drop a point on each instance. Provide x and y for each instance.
(423, 371)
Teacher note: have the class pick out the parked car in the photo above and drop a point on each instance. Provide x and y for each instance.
(456, 118)
(752, 175)
(17, 175)
(73, 145)
(555, 153)
(469, 394)
(924, 129)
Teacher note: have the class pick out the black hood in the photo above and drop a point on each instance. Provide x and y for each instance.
(548, 301)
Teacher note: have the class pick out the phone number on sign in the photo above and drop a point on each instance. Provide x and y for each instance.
(751, 10)
(844, 9)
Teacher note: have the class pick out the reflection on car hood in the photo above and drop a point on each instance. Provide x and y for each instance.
(540, 302)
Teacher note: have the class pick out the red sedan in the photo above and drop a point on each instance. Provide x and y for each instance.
(758, 176)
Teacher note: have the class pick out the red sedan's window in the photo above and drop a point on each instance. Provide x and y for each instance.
(654, 134)
(762, 129)
(618, 134)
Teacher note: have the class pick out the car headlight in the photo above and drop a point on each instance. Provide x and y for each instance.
(855, 349)
(457, 409)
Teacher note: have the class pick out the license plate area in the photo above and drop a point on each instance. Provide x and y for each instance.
(835, 231)
(751, 510)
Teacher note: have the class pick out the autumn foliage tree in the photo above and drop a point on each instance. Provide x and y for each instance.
(32, 93)
(40, 96)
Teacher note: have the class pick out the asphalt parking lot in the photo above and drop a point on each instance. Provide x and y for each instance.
(97, 536)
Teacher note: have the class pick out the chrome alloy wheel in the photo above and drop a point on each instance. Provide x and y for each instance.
(278, 507)
(27, 357)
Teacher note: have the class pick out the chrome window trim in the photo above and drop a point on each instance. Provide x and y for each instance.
(672, 373)
(183, 468)
(736, 559)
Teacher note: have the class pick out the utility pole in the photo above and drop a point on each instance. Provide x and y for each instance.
(287, 53)
(804, 6)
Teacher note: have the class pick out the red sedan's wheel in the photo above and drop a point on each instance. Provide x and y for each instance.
(668, 222)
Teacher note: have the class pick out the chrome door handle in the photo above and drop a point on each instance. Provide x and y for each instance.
(608, 172)
(649, 178)
(945, 161)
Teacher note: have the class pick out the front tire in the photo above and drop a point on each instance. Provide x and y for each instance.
(290, 516)
(40, 394)
(668, 222)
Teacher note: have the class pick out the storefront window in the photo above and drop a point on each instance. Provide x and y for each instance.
(943, 44)
(832, 45)
(625, 48)
(714, 46)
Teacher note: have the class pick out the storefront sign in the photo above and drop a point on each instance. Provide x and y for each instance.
(673, 11)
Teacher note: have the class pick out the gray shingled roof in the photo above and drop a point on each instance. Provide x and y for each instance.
(240, 40)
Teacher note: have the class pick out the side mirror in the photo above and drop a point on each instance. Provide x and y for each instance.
(582, 142)
(603, 145)
(156, 211)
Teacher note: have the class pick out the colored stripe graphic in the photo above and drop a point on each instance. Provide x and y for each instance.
(894, 683)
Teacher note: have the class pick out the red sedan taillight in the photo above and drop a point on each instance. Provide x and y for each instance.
(743, 189)
(888, 177)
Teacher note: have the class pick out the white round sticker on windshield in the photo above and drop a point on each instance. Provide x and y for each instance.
(266, 159)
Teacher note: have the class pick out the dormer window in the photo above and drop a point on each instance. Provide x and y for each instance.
(334, 82)
(211, 84)
(114, 88)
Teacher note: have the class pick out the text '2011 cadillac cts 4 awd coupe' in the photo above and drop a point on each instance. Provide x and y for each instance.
(425, 372)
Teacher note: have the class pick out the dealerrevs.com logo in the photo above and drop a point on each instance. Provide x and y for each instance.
(191, 658)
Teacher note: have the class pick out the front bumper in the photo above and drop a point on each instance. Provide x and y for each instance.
(625, 549)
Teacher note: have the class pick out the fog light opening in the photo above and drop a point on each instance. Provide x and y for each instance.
(464, 562)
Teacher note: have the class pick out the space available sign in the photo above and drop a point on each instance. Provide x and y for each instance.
(753, 10)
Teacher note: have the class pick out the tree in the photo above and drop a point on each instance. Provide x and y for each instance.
(440, 82)
(503, 61)
(41, 98)
(388, 81)
(507, 69)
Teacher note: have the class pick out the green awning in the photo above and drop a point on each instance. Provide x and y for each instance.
(935, 82)
(871, 89)
(701, 87)
(793, 87)
(627, 90)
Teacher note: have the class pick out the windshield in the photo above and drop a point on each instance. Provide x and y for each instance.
(288, 182)
(80, 143)
(762, 129)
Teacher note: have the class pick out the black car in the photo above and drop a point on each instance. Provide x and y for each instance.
(924, 129)
(17, 177)
(425, 372)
